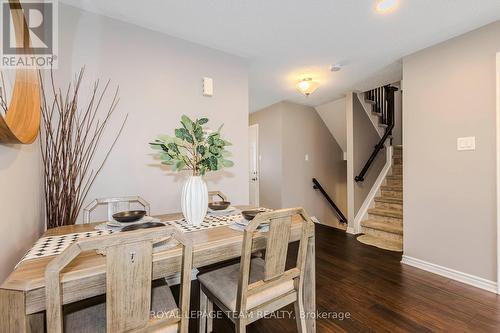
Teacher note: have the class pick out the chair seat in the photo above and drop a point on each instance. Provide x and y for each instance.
(89, 316)
(223, 284)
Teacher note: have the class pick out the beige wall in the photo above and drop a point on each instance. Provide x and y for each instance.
(301, 132)
(270, 151)
(160, 79)
(365, 137)
(449, 196)
(20, 202)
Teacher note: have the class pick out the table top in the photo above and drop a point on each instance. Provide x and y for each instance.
(209, 246)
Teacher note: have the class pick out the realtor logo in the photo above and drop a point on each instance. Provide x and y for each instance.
(29, 34)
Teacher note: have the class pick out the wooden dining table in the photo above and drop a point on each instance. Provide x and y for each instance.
(22, 294)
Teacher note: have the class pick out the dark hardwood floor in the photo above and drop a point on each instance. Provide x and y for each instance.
(381, 294)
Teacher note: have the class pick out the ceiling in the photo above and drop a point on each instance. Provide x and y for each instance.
(286, 40)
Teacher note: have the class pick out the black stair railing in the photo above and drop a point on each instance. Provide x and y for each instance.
(317, 186)
(382, 101)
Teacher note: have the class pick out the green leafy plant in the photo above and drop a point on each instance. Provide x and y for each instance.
(194, 147)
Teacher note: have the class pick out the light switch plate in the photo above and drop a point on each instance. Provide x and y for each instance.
(467, 143)
(208, 86)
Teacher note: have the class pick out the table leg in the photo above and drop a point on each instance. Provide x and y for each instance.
(12, 312)
(309, 288)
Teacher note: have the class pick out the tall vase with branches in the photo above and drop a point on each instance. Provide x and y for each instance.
(70, 138)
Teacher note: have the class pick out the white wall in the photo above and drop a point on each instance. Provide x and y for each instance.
(449, 196)
(334, 116)
(160, 79)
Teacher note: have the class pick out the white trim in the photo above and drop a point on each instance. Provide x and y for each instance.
(350, 230)
(363, 210)
(349, 100)
(469, 279)
(498, 170)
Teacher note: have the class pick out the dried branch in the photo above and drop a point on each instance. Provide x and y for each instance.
(70, 139)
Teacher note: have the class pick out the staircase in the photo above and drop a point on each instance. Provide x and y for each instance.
(384, 226)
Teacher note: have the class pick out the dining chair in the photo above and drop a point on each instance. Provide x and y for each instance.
(115, 205)
(255, 287)
(212, 194)
(133, 303)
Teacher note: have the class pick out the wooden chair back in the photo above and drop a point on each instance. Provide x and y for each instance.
(128, 279)
(114, 205)
(212, 194)
(278, 237)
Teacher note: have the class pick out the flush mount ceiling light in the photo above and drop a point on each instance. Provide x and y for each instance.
(386, 6)
(307, 86)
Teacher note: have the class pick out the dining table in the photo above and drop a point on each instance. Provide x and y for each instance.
(22, 294)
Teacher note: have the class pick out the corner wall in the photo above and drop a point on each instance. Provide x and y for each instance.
(449, 195)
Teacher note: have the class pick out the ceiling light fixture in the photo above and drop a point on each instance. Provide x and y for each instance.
(386, 6)
(307, 86)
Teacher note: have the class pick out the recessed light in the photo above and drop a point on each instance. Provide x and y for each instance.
(336, 67)
(386, 6)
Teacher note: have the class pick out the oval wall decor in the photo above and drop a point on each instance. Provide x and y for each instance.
(21, 123)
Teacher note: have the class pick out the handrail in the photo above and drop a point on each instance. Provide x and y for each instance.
(387, 110)
(317, 186)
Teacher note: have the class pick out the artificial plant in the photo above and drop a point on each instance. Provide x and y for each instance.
(194, 147)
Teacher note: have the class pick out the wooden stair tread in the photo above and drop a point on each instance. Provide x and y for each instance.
(390, 227)
(392, 188)
(386, 244)
(386, 212)
(394, 177)
(389, 200)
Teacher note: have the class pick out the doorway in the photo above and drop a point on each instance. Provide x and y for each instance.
(253, 144)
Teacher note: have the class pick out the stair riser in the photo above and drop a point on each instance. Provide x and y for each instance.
(388, 219)
(382, 234)
(397, 169)
(397, 161)
(395, 182)
(392, 194)
(388, 205)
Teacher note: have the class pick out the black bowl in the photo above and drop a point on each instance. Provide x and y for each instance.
(249, 215)
(219, 205)
(129, 216)
(146, 225)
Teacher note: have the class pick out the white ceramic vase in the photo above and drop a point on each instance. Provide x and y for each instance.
(194, 200)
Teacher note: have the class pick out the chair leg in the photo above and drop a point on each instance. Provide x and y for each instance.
(240, 326)
(203, 312)
(299, 315)
(210, 315)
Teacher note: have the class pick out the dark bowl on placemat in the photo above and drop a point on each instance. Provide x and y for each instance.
(129, 216)
(219, 205)
(146, 225)
(249, 215)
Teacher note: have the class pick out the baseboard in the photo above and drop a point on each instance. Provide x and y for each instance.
(363, 210)
(469, 279)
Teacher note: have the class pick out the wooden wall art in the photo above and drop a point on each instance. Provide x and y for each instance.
(21, 123)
